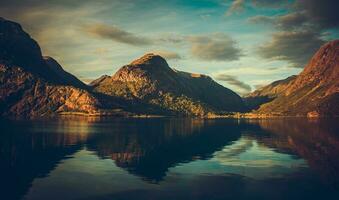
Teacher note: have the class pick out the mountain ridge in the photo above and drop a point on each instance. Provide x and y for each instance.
(32, 85)
(35, 86)
(150, 79)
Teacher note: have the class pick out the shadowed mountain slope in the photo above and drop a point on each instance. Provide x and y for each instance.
(19, 49)
(65, 77)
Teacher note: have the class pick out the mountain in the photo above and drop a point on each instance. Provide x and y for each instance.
(151, 80)
(267, 93)
(23, 94)
(314, 92)
(34, 86)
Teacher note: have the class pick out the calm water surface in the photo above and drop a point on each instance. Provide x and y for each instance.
(87, 158)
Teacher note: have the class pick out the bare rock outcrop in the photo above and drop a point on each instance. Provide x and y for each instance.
(22, 94)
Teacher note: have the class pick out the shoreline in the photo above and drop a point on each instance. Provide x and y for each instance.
(209, 116)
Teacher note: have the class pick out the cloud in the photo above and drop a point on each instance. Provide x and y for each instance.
(295, 47)
(300, 32)
(116, 34)
(310, 14)
(100, 51)
(269, 3)
(217, 47)
(171, 38)
(169, 55)
(236, 6)
(232, 80)
(323, 13)
(254, 71)
(261, 19)
(289, 21)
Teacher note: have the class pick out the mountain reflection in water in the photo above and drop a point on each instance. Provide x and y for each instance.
(89, 158)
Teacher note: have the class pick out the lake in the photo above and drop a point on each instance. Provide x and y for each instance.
(169, 158)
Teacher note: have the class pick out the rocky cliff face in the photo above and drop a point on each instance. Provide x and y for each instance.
(151, 80)
(321, 71)
(315, 91)
(23, 94)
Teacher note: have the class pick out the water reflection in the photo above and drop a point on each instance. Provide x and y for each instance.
(28, 152)
(247, 157)
(179, 155)
(149, 149)
(315, 141)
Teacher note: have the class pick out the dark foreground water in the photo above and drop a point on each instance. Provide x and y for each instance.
(84, 158)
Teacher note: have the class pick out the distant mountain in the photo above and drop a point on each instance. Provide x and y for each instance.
(314, 92)
(267, 93)
(96, 82)
(151, 80)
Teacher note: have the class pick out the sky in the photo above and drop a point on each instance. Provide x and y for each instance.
(241, 44)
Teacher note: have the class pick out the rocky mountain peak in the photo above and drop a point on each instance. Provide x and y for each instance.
(149, 60)
(149, 79)
(325, 59)
(146, 68)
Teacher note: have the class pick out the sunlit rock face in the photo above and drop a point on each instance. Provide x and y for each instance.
(24, 95)
(315, 90)
(151, 80)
